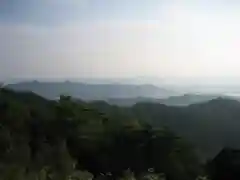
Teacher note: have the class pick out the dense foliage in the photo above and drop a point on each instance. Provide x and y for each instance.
(209, 126)
(41, 139)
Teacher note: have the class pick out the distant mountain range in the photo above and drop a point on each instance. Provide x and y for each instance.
(53, 90)
(182, 100)
(114, 94)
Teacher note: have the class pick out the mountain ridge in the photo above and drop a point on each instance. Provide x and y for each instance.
(52, 90)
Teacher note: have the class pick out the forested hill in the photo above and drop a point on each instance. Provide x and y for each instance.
(67, 136)
(58, 140)
(53, 90)
(209, 126)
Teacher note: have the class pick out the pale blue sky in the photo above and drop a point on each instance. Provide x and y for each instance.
(51, 12)
(119, 38)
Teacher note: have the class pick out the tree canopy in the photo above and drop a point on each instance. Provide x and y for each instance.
(41, 139)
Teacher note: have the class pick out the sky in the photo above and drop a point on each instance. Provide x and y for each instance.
(119, 38)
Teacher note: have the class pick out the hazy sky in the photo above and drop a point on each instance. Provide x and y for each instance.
(119, 38)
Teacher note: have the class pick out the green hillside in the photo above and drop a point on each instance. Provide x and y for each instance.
(41, 139)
